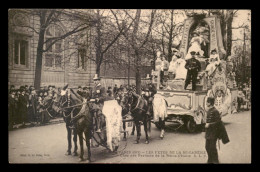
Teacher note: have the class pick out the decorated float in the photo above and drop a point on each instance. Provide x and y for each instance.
(200, 34)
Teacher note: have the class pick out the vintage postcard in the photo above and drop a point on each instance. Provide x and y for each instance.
(129, 86)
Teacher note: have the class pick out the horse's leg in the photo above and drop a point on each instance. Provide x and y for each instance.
(138, 130)
(124, 127)
(162, 126)
(133, 129)
(75, 143)
(81, 146)
(69, 140)
(149, 128)
(145, 122)
(87, 137)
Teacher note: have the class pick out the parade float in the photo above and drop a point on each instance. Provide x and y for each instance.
(186, 107)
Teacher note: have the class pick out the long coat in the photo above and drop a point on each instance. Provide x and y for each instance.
(216, 129)
(22, 106)
(33, 101)
(12, 106)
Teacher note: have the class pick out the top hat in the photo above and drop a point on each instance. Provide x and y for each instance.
(148, 76)
(79, 87)
(96, 77)
(66, 86)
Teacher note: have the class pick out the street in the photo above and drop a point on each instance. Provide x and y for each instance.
(48, 144)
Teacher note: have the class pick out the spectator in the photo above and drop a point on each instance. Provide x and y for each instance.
(115, 89)
(32, 109)
(12, 88)
(23, 106)
(11, 109)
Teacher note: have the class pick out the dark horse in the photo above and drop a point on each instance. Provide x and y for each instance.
(138, 109)
(75, 110)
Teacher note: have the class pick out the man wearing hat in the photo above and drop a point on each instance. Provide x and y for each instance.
(11, 109)
(99, 94)
(23, 105)
(149, 92)
(193, 66)
(214, 130)
(164, 67)
(32, 109)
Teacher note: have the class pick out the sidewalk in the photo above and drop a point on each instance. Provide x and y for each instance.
(34, 124)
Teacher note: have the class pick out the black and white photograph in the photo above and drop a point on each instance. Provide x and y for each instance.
(129, 86)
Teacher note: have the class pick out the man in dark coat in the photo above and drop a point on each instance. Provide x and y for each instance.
(115, 90)
(214, 130)
(33, 101)
(150, 90)
(193, 66)
(23, 106)
(11, 109)
(99, 94)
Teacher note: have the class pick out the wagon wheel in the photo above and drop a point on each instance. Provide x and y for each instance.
(191, 125)
(100, 138)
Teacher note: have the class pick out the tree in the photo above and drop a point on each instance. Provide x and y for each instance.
(137, 39)
(106, 34)
(48, 17)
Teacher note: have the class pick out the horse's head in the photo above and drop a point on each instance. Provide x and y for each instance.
(61, 99)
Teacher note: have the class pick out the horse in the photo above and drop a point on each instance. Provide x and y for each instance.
(76, 110)
(124, 103)
(138, 109)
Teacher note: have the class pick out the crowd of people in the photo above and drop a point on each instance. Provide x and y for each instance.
(27, 105)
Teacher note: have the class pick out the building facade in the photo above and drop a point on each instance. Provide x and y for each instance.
(66, 61)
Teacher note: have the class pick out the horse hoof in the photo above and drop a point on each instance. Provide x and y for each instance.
(75, 154)
(68, 153)
(161, 137)
(81, 159)
(146, 142)
(124, 139)
(132, 133)
(137, 142)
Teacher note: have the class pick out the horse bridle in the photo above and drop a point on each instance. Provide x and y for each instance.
(67, 100)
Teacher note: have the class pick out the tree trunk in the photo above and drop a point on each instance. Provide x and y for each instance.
(170, 38)
(38, 68)
(229, 35)
(138, 75)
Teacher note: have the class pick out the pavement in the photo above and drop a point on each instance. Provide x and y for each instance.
(34, 124)
(48, 144)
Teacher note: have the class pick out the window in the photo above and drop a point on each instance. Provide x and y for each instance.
(54, 54)
(20, 52)
(81, 58)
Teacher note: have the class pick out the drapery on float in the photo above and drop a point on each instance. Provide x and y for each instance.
(112, 111)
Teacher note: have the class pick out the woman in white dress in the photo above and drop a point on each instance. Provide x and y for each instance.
(195, 46)
(180, 69)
